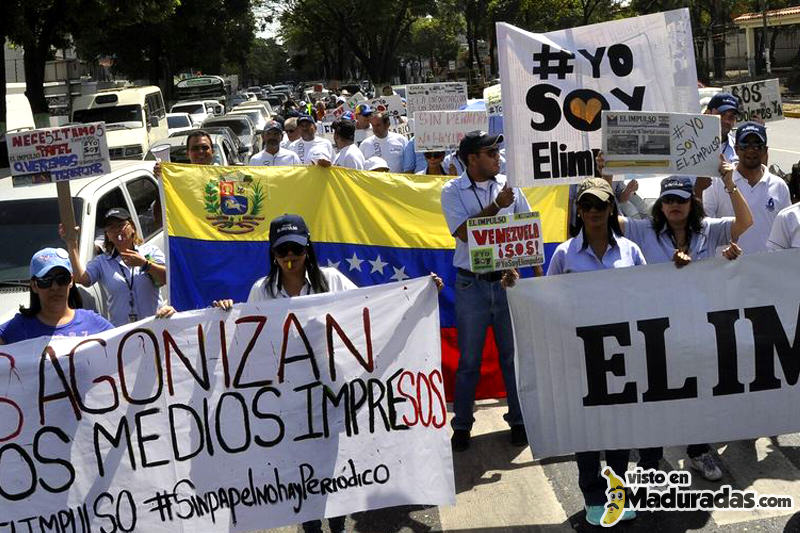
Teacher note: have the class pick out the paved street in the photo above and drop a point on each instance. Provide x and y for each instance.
(503, 489)
(784, 142)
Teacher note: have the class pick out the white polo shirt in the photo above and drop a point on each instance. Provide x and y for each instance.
(310, 151)
(785, 232)
(766, 199)
(337, 282)
(351, 157)
(390, 148)
(282, 157)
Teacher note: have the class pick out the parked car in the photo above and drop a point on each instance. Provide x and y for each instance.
(242, 126)
(29, 219)
(241, 150)
(199, 110)
(276, 100)
(179, 122)
(224, 152)
(256, 115)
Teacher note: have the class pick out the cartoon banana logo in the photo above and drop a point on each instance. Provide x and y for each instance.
(615, 507)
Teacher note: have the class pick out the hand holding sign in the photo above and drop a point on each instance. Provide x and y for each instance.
(505, 197)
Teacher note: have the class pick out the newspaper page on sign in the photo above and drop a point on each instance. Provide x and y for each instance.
(57, 154)
(556, 84)
(392, 105)
(437, 131)
(494, 102)
(443, 96)
(270, 414)
(660, 143)
(758, 99)
(502, 242)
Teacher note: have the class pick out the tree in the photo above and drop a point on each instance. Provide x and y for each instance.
(434, 38)
(268, 61)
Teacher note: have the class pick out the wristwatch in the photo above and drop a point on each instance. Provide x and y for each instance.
(731, 190)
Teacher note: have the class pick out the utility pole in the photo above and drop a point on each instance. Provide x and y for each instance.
(767, 61)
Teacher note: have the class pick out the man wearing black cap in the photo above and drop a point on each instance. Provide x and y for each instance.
(766, 194)
(726, 106)
(344, 132)
(310, 148)
(480, 298)
(273, 155)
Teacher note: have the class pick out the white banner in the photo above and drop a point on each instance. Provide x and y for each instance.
(438, 131)
(659, 356)
(270, 414)
(56, 154)
(759, 99)
(556, 84)
(392, 105)
(445, 96)
(640, 142)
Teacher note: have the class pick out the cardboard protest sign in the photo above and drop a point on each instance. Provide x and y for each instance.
(443, 96)
(638, 142)
(494, 102)
(760, 99)
(275, 413)
(502, 242)
(437, 131)
(393, 105)
(57, 154)
(332, 114)
(556, 84)
(601, 374)
(354, 100)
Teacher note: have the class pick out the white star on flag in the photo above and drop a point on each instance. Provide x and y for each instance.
(333, 265)
(355, 262)
(399, 273)
(377, 265)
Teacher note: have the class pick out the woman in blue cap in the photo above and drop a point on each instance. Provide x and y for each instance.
(54, 308)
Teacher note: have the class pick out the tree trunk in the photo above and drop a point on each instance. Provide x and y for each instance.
(35, 60)
(3, 83)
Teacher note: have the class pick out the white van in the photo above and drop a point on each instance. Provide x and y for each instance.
(199, 110)
(134, 117)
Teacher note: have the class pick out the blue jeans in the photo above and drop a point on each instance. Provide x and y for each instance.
(479, 304)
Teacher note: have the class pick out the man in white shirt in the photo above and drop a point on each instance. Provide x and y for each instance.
(310, 148)
(363, 127)
(384, 143)
(344, 137)
(726, 107)
(273, 155)
(785, 232)
(291, 132)
(766, 194)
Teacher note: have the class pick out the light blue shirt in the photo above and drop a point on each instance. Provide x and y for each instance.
(728, 151)
(413, 161)
(575, 255)
(119, 281)
(659, 248)
(462, 200)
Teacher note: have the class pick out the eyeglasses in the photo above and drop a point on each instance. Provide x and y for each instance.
(674, 199)
(751, 146)
(592, 202)
(61, 279)
(491, 152)
(433, 155)
(284, 249)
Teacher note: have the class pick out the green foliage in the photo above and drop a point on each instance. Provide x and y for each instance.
(268, 61)
(212, 198)
(257, 199)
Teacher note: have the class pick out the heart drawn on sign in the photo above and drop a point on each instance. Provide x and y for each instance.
(586, 110)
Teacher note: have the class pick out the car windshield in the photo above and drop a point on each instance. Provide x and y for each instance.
(239, 127)
(188, 108)
(121, 116)
(31, 225)
(178, 122)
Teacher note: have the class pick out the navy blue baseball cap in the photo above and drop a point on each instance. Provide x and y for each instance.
(676, 186)
(272, 125)
(288, 228)
(751, 128)
(724, 102)
(305, 118)
(474, 141)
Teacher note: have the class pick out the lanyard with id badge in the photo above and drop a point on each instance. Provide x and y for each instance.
(132, 315)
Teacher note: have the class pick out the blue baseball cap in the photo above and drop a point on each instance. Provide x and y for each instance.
(305, 118)
(47, 259)
(676, 186)
(751, 128)
(364, 110)
(724, 102)
(288, 228)
(272, 125)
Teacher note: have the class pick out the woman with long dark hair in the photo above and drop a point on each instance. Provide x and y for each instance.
(597, 244)
(55, 303)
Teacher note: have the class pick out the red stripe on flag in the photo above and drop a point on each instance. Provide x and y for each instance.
(491, 383)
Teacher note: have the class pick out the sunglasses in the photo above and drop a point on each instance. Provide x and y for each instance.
(592, 203)
(61, 279)
(674, 199)
(433, 155)
(284, 249)
(752, 146)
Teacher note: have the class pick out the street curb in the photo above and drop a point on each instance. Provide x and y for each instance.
(792, 114)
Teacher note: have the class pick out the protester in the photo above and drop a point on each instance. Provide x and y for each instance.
(344, 138)
(726, 106)
(413, 161)
(54, 308)
(273, 155)
(384, 143)
(480, 298)
(765, 193)
(200, 150)
(363, 126)
(310, 148)
(291, 132)
(785, 232)
(129, 272)
(597, 244)
(376, 164)
(433, 164)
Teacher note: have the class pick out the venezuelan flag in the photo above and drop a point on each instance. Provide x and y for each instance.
(374, 227)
